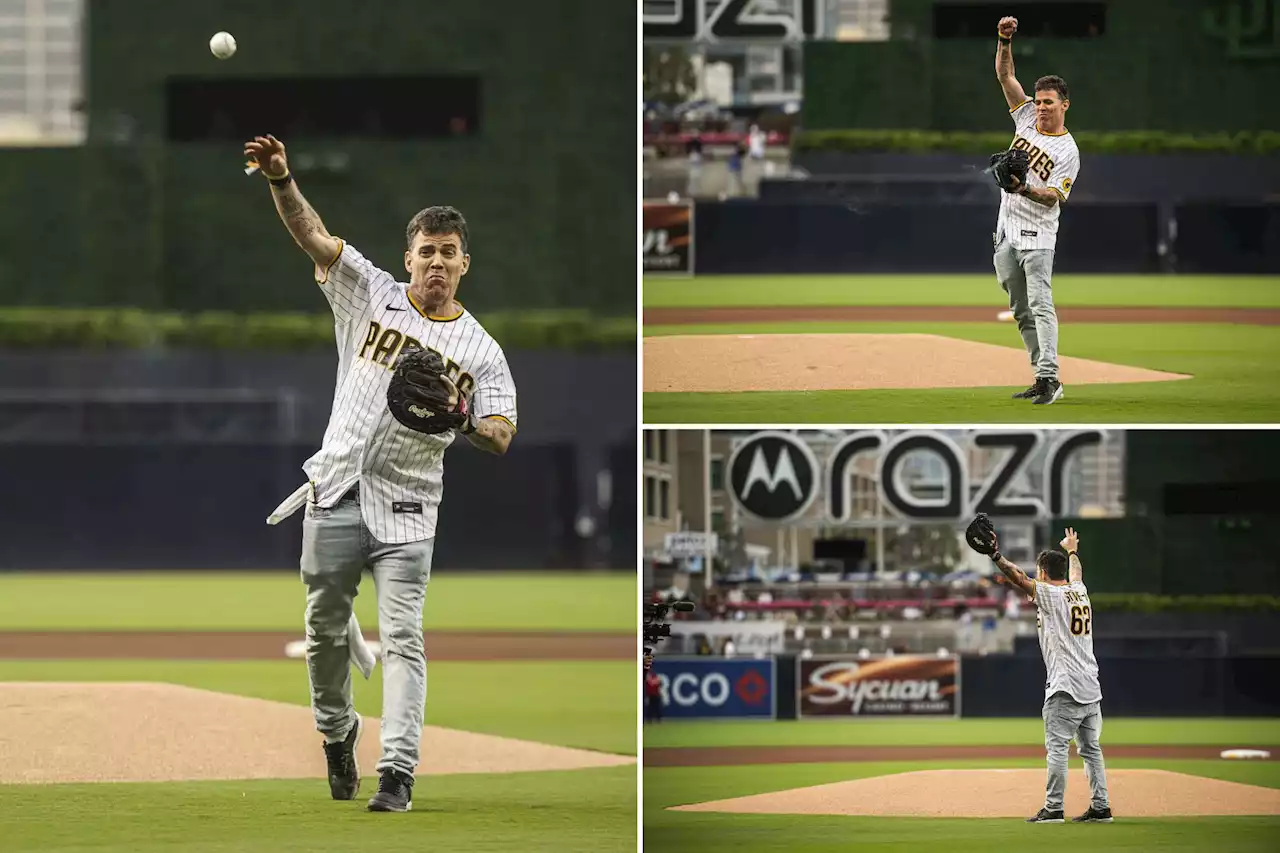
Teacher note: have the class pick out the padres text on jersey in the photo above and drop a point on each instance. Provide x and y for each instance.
(1055, 163)
(1064, 622)
(400, 471)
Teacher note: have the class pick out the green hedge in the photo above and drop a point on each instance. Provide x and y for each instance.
(1133, 142)
(1146, 603)
(42, 328)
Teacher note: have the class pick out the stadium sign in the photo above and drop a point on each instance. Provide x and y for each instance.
(732, 21)
(773, 476)
(666, 238)
(878, 686)
(716, 687)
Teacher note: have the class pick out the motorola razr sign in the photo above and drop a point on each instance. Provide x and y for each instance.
(731, 21)
(773, 476)
(776, 476)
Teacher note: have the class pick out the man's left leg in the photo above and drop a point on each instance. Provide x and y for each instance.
(1061, 719)
(400, 574)
(1037, 266)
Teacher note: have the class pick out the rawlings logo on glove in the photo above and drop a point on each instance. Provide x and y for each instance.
(1008, 165)
(981, 535)
(423, 398)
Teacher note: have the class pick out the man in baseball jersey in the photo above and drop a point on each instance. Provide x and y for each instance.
(1072, 694)
(1027, 227)
(375, 485)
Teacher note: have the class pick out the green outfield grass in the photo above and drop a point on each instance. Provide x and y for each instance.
(585, 704)
(582, 810)
(1215, 731)
(1072, 290)
(1236, 372)
(275, 601)
(687, 831)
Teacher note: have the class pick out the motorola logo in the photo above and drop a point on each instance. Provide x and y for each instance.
(773, 476)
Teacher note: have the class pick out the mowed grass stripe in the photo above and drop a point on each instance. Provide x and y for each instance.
(582, 810)
(276, 600)
(1223, 731)
(1094, 290)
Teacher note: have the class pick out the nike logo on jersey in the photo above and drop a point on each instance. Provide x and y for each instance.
(394, 308)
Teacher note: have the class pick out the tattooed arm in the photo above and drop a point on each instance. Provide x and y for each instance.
(304, 224)
(493, 435)
(298, 216)
(1016, 576)
(1013, 93)
(1040, 195)
(1070, 543)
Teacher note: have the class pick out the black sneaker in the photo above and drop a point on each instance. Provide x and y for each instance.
(1046, 816)
(344, 773)
(1030, 393)
(395, 793)
(1050, 392)
(1094, 816)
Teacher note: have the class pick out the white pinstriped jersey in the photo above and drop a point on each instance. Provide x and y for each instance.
(400, 471)
(1055, 162)
(1064, 623)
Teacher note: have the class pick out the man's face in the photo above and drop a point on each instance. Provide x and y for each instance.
(436, 264)
(1050, 108)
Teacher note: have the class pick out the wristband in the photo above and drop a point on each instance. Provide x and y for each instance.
(1071, 554)
(282, 181)
(1004, 40)
(995, 558)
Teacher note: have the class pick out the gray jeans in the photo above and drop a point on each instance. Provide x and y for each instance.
(1064, 718)
(1027, 276)
(336, 549)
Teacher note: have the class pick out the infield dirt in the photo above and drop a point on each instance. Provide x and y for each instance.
(148, 732)
(853, 362)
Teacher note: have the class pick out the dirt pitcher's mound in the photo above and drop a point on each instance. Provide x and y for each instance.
(1007, 793)
(126, 732)
(835, 362)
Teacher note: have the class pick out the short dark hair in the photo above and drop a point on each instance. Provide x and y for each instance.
(1053, 564)
(1053, 83)
(437, 221)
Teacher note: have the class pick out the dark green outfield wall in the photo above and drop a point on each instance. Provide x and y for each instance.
(1160, 65)
(547, 185)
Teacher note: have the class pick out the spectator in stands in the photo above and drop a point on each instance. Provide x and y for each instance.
(652, 697)
(735, 172)
(693, 150)
(679, 589)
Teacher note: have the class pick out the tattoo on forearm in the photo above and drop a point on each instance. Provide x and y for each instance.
(1042, 195)
(1077, 570)
(291, 204)
(1004, 60)
(492, 434)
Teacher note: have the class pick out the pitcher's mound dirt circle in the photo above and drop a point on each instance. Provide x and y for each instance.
(147, 732)
(843, 362)
(1006, 793)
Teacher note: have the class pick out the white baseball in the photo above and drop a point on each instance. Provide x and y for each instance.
(222, 45)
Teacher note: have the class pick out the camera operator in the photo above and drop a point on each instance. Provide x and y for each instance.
(655, 630)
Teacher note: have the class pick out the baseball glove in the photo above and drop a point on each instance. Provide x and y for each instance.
(1007, 165)
(423, 398)
(981, 535)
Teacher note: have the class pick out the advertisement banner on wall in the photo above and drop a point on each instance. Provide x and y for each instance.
(667, 238)
(763, 637)
(878, 686)
(721, 688)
